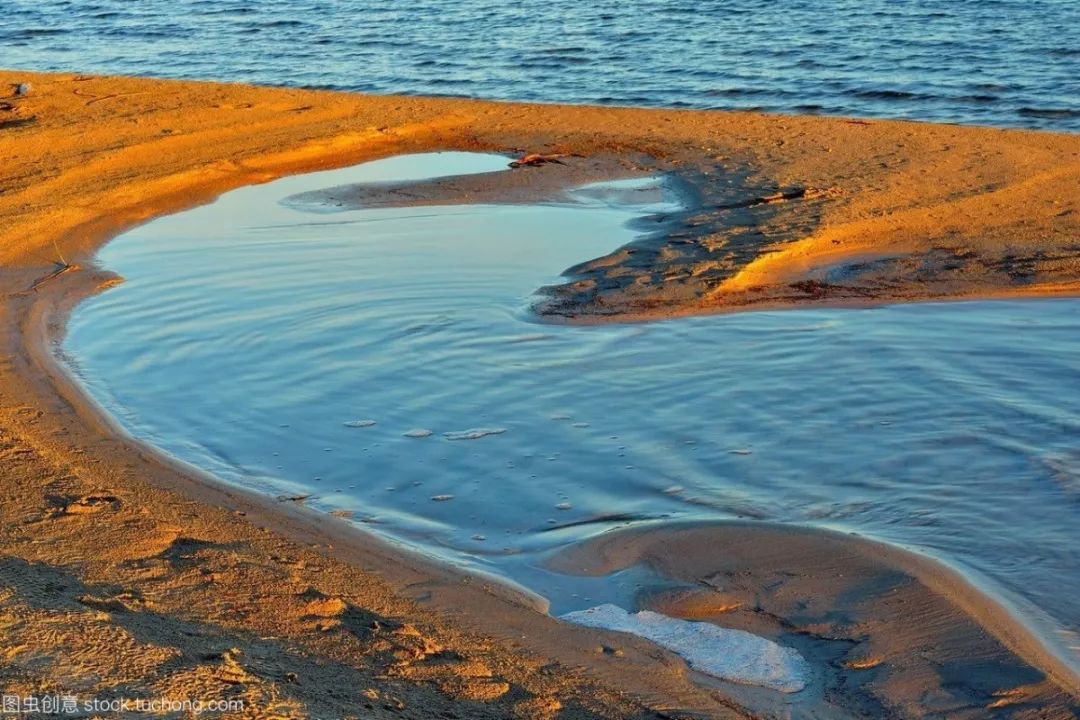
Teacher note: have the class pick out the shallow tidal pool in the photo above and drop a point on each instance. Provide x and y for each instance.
(385, 363)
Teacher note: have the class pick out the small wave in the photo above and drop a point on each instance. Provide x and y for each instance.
(885, 95)
(740, 92)
(1048, 113)
(283, 24)
(562, 50)
(31, 33)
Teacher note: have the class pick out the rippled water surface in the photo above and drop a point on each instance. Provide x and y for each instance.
(995, 62)
(382, 361)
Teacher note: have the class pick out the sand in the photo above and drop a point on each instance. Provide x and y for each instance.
(889, 633)
(123, 573)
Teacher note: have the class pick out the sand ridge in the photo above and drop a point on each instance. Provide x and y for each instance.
(891, 633)
(791, 210)
(195, 587)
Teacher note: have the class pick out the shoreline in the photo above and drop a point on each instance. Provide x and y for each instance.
(417, 588)
(59, 408)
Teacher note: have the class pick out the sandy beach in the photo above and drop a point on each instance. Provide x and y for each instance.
(123, 572)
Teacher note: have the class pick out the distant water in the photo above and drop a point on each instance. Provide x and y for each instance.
(382, 361)
(989, 62)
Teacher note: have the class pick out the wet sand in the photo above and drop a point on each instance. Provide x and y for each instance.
(889, 633)
(123, 572)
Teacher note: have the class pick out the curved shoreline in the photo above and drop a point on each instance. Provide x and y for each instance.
(60, 409)
(416, 588)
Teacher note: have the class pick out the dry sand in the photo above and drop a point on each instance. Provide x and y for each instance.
(123, 573)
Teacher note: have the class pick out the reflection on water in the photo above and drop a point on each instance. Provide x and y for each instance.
(383, 361)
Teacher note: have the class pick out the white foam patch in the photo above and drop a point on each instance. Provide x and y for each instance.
(733, 655)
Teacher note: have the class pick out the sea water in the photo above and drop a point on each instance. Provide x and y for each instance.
(987, 62)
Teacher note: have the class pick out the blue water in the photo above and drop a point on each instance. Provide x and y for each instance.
(990, 62)
(294, 352)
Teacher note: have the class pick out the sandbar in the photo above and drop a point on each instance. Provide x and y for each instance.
(124, 571)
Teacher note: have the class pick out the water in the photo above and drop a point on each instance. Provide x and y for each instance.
(991, 62)
(331, 354)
